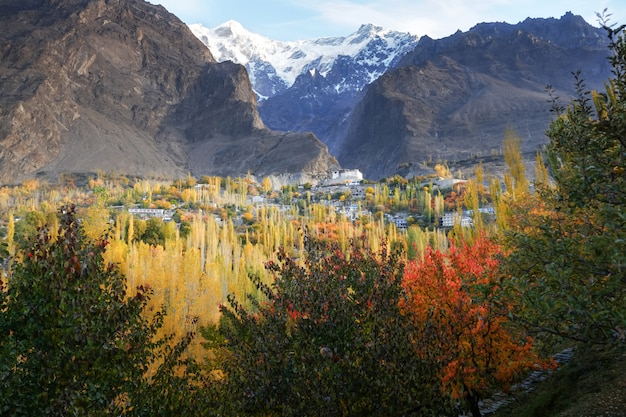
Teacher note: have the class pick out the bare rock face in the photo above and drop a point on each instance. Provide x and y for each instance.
(123, 86)
(453, 99)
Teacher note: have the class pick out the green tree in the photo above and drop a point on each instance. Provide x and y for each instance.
(568, 250)
(137, 227)
(73, 342)
(326, 338)
(27, 226)
(155, 232)
(184, 229)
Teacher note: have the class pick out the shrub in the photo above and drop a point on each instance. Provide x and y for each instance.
(325, 338)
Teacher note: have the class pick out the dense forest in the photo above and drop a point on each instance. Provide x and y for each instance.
(291, 308)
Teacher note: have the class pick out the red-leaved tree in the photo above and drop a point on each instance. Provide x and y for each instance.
(460, 317)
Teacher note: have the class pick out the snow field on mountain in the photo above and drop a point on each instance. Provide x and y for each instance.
(370, 46)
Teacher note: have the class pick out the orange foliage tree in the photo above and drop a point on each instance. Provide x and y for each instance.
(460, 315)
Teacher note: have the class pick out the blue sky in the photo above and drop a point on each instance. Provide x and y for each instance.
(290, 20)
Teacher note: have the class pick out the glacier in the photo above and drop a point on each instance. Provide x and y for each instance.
(273, 66)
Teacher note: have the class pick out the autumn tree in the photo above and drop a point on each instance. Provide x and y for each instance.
(74, 342)
(326, 338)
(27, 226)
(155, 232)
(267, 185)
(567, 252)
(95, 219)
(515, 179)
(457, 305)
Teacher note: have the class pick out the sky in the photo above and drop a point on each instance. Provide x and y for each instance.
(290, 20)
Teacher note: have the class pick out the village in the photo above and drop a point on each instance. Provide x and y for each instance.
(432, 202)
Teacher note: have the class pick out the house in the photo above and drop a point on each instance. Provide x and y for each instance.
(147, 213)
(450, 219)
(257, 199)
(445, 183)
(341, 176)
(401, 223)
(485, 210)
(357, 191)
(352, 211)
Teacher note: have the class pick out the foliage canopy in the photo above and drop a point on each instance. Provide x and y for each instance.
(461, 321)
(73, 342)
(327, 338)
(568, 243)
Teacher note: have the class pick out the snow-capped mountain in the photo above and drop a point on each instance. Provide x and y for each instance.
(273, 66)
(309, 85)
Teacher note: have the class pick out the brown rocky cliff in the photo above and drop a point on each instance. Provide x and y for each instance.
(122, 85)
(453, 99)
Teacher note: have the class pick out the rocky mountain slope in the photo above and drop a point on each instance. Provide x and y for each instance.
(386, 103)
(452, 99)
(308, 85)
(124, 86)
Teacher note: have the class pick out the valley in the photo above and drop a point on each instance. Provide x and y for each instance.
(392, 101)
(208, 222)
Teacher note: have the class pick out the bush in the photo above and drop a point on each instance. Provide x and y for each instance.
(567, 253)
(325, 338)
(73, 342)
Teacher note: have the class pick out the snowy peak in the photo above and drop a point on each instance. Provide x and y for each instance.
(365, 32)
(231, 28)
(274, 65)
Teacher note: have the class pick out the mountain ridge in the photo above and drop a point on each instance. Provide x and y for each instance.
(275, 65)
(454, 98)
(446, 99)
(124, 86)
(309, 85)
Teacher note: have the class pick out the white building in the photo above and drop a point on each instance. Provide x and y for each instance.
(401, 223)
(339, 176)
(444, 183)
(450, 219)
(147, 212)
(353, 212)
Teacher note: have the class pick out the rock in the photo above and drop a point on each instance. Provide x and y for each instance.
(453, 99)
(124, 86)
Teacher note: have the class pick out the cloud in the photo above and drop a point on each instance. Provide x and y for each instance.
(305, 19)
(432, 17)
(439, 18)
